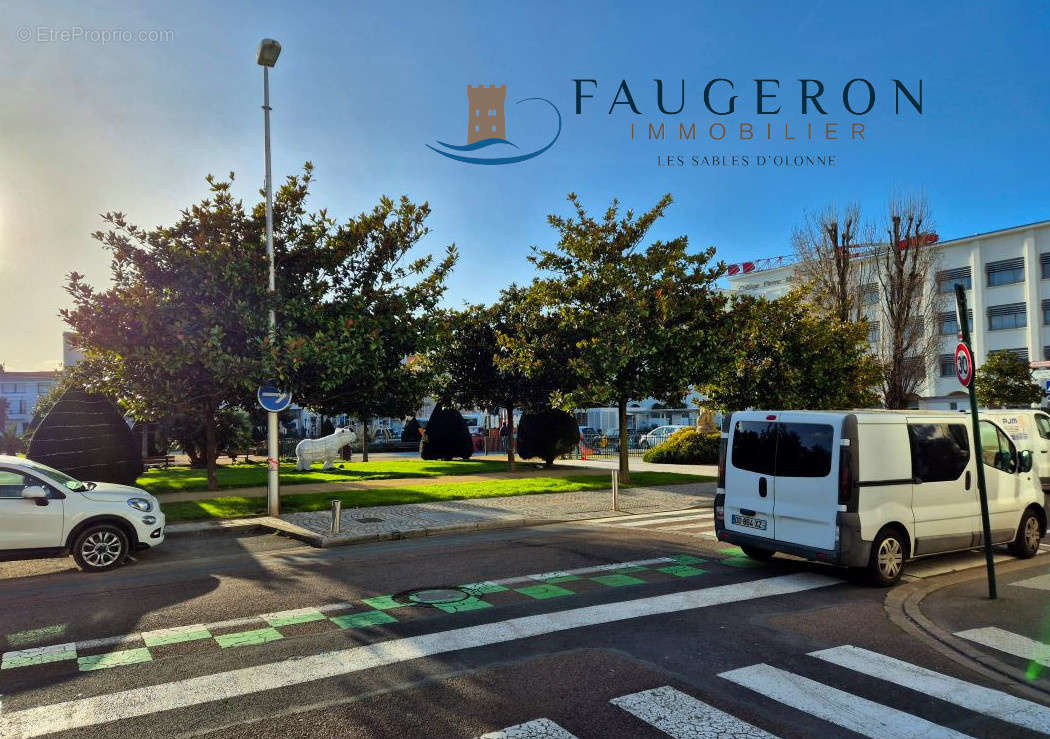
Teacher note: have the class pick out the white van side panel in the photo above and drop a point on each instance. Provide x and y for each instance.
(884, 454)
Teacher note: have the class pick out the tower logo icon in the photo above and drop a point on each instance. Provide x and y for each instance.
(487, 127)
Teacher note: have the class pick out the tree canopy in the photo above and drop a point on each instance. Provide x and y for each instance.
(1005, 381)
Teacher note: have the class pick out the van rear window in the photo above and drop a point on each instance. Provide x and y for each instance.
(783, 449)
(755, 446)
(939, 451)
(804, 450)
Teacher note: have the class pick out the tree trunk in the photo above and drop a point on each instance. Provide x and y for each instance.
(625, 472)
(144, 427)
(210, 448)
(511, 464)
(364, 438)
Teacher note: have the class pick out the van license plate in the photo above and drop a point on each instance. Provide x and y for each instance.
(749, 522)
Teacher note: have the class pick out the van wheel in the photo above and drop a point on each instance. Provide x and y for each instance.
(1029, 532)
(762, 555)
(887, 558)
(99, 548)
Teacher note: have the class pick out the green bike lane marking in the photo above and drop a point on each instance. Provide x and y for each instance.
(535, 587)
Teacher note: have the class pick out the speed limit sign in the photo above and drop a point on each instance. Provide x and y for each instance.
(964, 364)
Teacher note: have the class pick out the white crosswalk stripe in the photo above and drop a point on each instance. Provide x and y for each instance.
(690, 522)
(995, 703)
(541, 728)
(849, 711)
(1009, 642)
(1042, 582)
(683, 717)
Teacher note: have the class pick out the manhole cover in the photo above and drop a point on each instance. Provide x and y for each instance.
(369, 520)
(436, 596)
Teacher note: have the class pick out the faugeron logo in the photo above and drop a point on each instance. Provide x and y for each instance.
(750, 111)
(487, 128)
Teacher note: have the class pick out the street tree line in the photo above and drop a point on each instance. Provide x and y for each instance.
(612, 315)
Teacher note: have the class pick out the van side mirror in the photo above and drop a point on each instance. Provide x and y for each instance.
(36, 494)
(1024, 461)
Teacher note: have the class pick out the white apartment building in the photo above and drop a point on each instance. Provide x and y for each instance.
(1007, 276)
(21, 390)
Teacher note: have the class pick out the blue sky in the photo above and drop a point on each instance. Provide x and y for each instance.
(360, 89)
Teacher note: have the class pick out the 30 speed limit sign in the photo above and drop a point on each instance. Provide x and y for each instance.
(964, 364)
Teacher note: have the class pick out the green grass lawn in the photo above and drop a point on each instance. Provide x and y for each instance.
(236, 506)
(187, 479)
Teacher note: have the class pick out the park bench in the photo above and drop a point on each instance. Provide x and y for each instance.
(159, 461)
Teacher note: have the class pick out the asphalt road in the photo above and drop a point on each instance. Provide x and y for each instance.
(262, 637)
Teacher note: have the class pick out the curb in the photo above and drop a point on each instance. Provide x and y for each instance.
(902, 606)
(327, 542)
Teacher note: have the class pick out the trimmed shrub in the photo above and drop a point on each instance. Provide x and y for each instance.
(446, 436)
(687, 446)
(84, 435)
(547, 435)
(410, 432)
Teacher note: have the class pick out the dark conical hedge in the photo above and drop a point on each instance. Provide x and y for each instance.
(411, 431)
(547, 435)
(446, 436)
(85, 436)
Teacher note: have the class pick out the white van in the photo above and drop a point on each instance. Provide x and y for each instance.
(871, 488)
(1030, 429)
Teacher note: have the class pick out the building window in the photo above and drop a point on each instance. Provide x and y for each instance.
(874, 332)
(949, 278)
(1002, 317)
(1044, 265)
(1046, 311)
(1046, 353)
(7, 387)
(948, 322)
(869, 293)
(1019, 353)
(947, 364)
(1006, 272)
(43, 387)
(915, 366)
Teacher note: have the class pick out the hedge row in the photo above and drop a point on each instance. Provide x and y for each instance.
(687, 446)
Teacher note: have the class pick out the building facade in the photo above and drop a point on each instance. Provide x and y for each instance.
(21, 390)
(1006, 274)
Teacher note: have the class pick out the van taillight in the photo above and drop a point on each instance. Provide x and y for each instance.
(845, 476)
(723, 446)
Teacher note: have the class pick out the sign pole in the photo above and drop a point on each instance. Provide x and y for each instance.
(964, 355)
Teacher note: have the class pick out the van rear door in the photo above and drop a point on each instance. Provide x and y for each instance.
(806, 508)
(750, 484)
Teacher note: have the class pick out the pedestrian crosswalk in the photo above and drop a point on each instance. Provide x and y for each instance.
(676, 714)
(1009, 643)
(698, 522)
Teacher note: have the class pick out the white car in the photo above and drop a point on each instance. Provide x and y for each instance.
(44, 512)
(658, 435)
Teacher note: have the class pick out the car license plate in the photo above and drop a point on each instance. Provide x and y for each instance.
(749, 522)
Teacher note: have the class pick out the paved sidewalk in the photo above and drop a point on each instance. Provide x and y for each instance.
(424, 519)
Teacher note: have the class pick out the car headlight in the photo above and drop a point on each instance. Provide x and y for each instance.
(140, 504)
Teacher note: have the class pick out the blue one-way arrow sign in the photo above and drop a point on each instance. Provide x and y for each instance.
(272, 398)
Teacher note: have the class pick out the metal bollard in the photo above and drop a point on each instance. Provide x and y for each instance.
(337, 517)
(616, 489)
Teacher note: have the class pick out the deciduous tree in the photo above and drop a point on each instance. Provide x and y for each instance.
(1005, 381)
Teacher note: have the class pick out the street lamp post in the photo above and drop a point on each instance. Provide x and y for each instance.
(269, 50)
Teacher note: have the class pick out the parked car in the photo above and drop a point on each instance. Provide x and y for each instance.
(658, 435)
(1029, 429)
(44, 512)
(871, 489)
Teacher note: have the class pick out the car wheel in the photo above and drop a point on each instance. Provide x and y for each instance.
(887, 558)
(101, 547)
(762, 555)
(1026, 544)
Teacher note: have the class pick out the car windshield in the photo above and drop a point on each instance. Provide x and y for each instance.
(71, 483)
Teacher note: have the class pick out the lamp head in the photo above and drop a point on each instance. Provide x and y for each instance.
(269, 50)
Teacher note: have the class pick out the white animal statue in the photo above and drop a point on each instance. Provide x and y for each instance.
(326, 449)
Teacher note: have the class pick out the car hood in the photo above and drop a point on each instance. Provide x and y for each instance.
(111, 492)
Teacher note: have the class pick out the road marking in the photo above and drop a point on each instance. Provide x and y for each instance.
(1009, 642)
(703, 526)
(143, 701)
(38, 655)
(684, 717)
(995, 703)
(836, 706)
(945, 563)
(541, 728)
(1042, 582)
(646, 522)
(170, 635)
(641, 516)
(114, 659)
